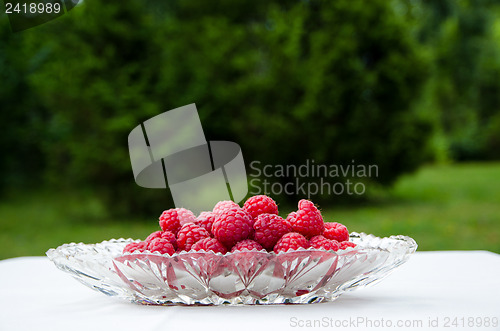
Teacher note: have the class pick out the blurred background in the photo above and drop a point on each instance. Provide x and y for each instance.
(412, 86)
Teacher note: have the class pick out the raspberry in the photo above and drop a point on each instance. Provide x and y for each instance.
(185, 216)
(209, 244)
(132, 247)
(345, 244)
(291, 217)
(172, 219)
(154, 235)
(161, 246)
(205, 220)
(246, 244)
(260, 204)
(308, 220)
(336, 231)
(232, 225)
(225, 205)
(303, 203)
(320, 242)
(291, 240)
(164, 235)
(189, 234)
(269, 228)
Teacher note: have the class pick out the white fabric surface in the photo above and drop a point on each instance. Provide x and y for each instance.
(35, 295)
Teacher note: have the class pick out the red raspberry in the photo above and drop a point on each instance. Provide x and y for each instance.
(304, 203)
(291, 217)
(206, 220)
(172, 219)
(164, 235)
(161, 246)
(260, 204)
(225, 205)
(269, 228)
(209, 244)
(308, 220)
(345, 244)
(189, 234)
(232, 225)
(291, 240)
(320, 242)
(336, 231)
(185, 216)
(169, 221)
(246, 244)
(132, 247)
(154, 235)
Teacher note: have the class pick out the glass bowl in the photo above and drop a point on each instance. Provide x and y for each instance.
(246, 277)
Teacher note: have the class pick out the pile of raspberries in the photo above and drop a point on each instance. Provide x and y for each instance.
(256, 225)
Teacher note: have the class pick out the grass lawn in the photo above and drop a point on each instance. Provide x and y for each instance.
(448, 207)
(442, 207)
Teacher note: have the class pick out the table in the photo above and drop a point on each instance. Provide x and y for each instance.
(445, 290)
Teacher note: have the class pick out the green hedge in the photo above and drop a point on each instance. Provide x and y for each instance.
(332, 81)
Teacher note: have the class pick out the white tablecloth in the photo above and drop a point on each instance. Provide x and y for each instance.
(433, 290)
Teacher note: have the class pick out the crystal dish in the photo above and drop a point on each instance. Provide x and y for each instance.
(246, 277)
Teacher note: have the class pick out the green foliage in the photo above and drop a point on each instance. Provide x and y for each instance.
(97, 81)
(21, 118)
(464, 38)
(336, 78)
